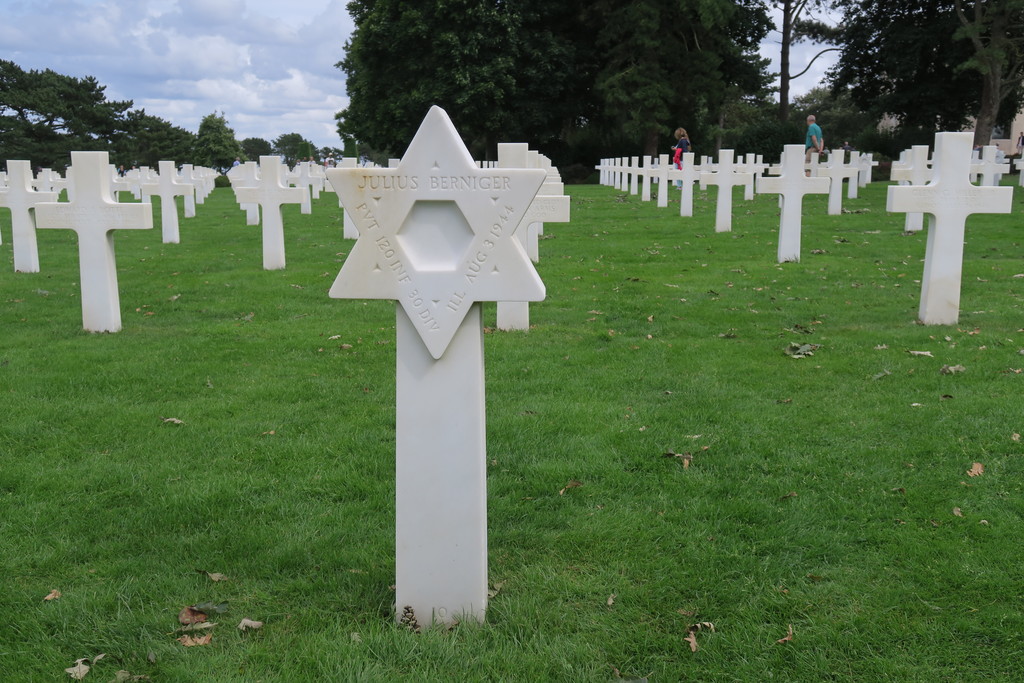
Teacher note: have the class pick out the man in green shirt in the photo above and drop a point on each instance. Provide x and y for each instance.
(814, 142)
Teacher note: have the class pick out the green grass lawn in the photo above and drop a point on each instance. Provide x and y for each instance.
(827, 493)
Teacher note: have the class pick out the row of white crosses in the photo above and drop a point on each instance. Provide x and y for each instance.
(943, 190)
(93, 212)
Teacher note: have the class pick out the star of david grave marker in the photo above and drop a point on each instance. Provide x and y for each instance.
(94, 216)
(950, 198)
(436, 233)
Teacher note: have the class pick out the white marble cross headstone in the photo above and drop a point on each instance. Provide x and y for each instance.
(686, 177)
(94, 216)
(270, 194)
(167, 188)
(246, 174)
(726, 178)
(21, 199)
(950, 198)
(436, 233)
(837, 170)
(1019, 163)
(792, 184)
(990, 168)
(915, 171)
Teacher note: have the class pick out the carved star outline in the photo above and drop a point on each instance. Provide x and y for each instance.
(493, 265)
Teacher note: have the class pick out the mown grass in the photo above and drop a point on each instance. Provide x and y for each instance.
(820, 494)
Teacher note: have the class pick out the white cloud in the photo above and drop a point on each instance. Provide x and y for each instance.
(268, 65)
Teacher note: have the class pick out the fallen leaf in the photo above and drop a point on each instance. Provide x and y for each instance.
(977, 469)
(355, 638)
(795, 350)
(881, 347)
(958, 512)
(691, 638)
(788, 637)
(983, 522)
(921, 353)
(249, 625)
(122, 676)
(1015, 437)
(687, 612)
(791, 494)
(192, 641)
(495, 589)
(172, 420)
(79, 670)
(200, 626)
(214, 576)
(611, 600)
(951, 369)
(883, 373)
(573, 483)
(191, 615)
(272, 432)
(53, 595)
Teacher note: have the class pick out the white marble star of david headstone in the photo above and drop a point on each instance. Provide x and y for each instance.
(436, 232)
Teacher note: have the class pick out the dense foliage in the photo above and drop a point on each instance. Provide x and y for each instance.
(920, 62)
(564, 76)
(216, 145)
(44, 115)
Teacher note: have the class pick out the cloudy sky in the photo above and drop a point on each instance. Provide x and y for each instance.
(268, 65)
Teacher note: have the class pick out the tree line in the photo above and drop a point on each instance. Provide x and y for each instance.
(580, 79)
(45, 115)
(583, 79)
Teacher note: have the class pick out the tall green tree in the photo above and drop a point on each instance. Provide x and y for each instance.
(148, 139)
(664, 61)
(995, 30)
(798, 25)
(930, 65)
(548, 73)
(216, 145)
(45, 115)
(293, 147)
(404, 57)
(254, 148)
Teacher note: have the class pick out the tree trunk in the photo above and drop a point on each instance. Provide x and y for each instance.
(787, 38)
(651, 142)
(989, 107)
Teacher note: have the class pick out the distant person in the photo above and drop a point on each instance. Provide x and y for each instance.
(237, 162)
(814, 142)
(847, 147)
(681, 147)
(1020, 144)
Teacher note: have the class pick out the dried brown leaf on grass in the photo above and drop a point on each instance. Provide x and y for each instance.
(81, 667)
(788, 638)
(958, 512)
(249, 625)
(192, 641)
(977, 469)
(691, 633)
(921, 353)
(52, 595)
(611, 599)
(573, 484)
(172, 420)
(951, 369)
(191, 615)
(213, 576)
